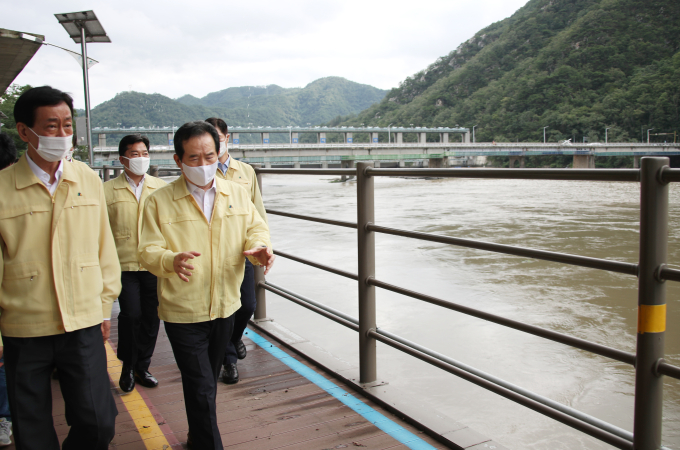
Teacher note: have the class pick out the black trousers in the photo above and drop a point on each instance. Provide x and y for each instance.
(80, 358)
(244, 313)
(199, 350)
(138, 319)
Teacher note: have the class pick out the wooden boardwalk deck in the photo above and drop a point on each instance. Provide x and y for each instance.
(271, 407)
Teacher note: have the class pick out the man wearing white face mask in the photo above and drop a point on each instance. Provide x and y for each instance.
(213, 223)
(243, 175)
(138, 319)
(60, 275)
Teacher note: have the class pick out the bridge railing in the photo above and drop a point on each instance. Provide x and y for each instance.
(651, 271)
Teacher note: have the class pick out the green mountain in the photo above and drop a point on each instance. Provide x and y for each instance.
(318, 102)
(575, 66)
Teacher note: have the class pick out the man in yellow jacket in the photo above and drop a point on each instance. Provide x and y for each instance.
(138, 319)
(213, 223)
(243, 175)
(60, 275)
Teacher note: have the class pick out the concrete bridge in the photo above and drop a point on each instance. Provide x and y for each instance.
(394, 134)
(425, 154)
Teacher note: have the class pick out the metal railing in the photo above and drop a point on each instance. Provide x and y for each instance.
(651, 271)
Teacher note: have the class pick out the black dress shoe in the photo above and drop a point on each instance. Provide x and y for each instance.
(230, 374)
(127, 379)
(240, 349)
(145, 379)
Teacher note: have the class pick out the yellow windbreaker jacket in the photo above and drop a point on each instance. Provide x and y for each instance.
(244, 175)
(59, 266)
(124, 216)
(172, 222)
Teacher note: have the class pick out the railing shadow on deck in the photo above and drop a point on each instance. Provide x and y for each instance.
(651, 271)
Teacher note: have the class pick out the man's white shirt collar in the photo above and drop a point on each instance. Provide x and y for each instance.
(205, 199)
(44, 177)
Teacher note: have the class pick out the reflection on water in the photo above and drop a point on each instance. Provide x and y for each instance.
(586, 218)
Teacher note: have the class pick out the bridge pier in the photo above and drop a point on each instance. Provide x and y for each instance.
(636, 162)
(400, 138)
(348, 138)
(584, 162)
(422, 138)
(467, 140)
(402, 163)
(235, 139)
(324, 164)
(170, 138)
(376, 163)
(265, 138)
(345, 165)
(294, 139)
(513, 159)
(444, 138)
(102, 140)
(438, 163)
(296, 165)
(267, 165)
(320, 138)
(374, 138)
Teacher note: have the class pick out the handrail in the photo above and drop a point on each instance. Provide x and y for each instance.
(574, 260)
(339, 223)
(651, 271)
(491, 378)
(342, 273)
(602, 350)
(514, 174)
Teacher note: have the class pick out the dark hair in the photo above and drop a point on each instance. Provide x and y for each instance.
(131, 139)
(8, 151)
(219, 124)
(32, 99)
(194, 129)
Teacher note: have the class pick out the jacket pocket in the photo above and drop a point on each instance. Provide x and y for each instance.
(86, 279)
(23, 287)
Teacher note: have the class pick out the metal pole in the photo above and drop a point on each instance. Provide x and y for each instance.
(651, 305)
(260, 292)
(366, 247)
(86, 80)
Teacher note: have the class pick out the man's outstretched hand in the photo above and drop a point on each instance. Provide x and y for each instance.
(182, 267)
(264, 255)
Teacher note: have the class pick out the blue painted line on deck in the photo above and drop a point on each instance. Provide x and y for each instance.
(383, 423)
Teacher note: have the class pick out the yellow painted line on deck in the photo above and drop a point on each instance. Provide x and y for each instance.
(652, 319)
(151, 433)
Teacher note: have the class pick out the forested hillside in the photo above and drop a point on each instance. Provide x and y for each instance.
(318, 102)
(575, 66)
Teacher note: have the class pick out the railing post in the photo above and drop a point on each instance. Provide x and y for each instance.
(651, 305)
(260, 292)
(366, 247)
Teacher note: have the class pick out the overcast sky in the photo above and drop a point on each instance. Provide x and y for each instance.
(182, 47)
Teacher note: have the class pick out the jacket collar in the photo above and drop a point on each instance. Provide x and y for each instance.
(180, 190)
(25, 176)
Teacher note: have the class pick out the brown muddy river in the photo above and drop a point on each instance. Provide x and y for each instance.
(595, 219)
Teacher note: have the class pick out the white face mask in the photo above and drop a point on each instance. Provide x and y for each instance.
(200, 175)
(53, 148)
(224, 147)
(139, 165)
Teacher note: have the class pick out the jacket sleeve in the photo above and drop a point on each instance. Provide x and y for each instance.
(256, 198)
(108, 259)
(153, 252)
(257, 233)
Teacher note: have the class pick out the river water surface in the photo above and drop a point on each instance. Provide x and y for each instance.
(595, 219)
